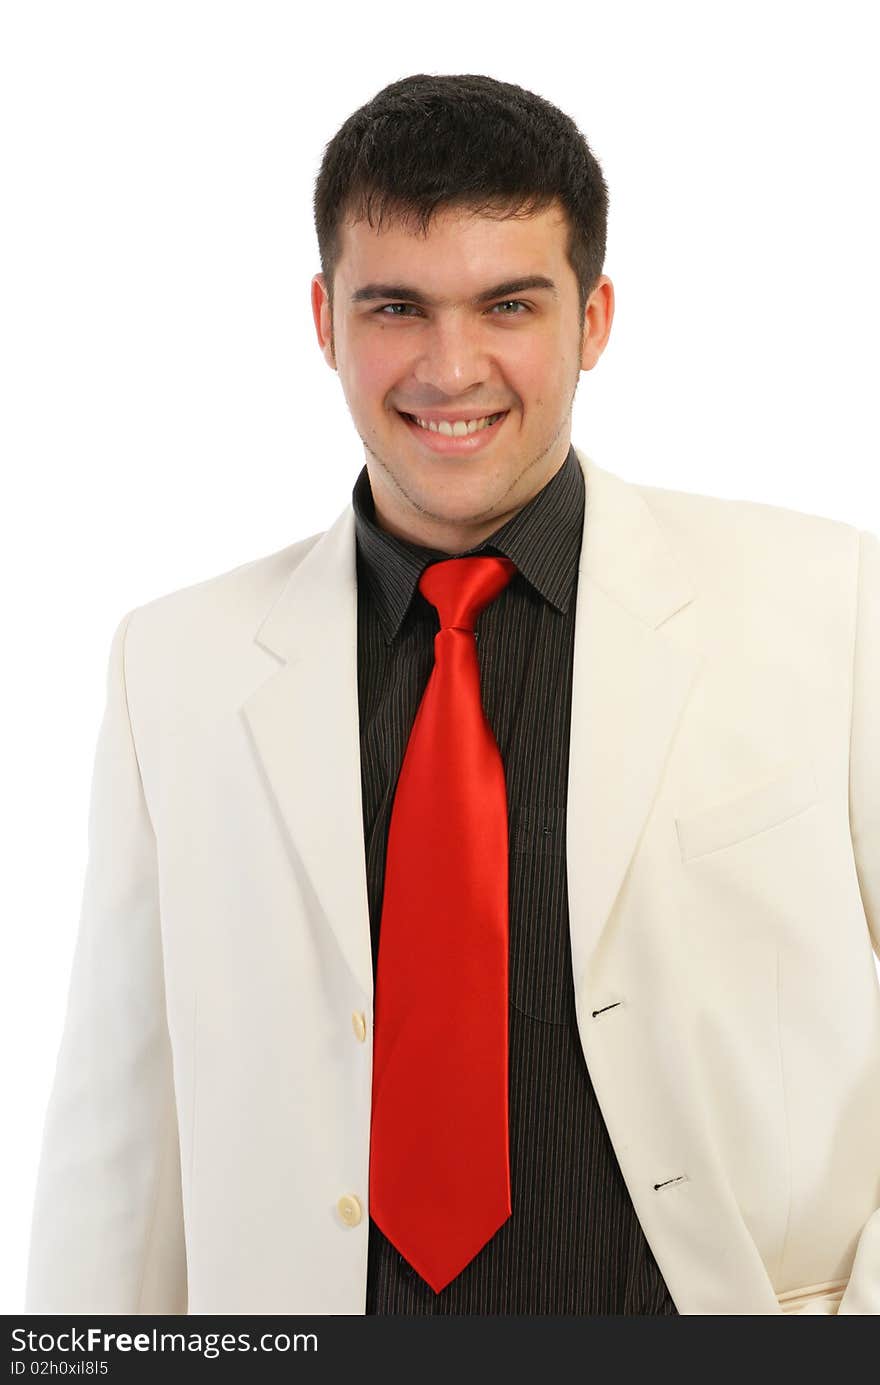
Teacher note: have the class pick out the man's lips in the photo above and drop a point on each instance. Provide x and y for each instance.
(461, 445)
(451, 416)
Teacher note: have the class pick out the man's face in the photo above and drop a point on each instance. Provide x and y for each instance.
(440, 327)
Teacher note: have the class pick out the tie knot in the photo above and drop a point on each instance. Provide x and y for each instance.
(460, 587)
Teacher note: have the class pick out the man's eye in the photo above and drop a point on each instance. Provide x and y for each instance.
(403, 309)
(386, 306)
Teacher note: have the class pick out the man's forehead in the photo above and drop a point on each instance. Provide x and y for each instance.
(466, 243)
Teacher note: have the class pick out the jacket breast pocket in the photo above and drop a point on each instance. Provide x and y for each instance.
(757, 810)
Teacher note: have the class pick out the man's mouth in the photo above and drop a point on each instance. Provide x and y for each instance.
(453, 437)
(460, 429)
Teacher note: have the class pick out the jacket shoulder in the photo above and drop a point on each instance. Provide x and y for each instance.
(773, 545)
(238, 593)
(689, 509)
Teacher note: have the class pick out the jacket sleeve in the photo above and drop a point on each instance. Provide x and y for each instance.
(862, 1294)
(107, 1230)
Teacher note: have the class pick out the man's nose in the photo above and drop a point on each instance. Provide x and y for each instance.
(454, 356)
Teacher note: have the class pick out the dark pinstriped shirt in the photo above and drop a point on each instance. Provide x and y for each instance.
(573, 1243)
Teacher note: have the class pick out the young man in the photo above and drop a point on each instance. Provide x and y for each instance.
(481, 893)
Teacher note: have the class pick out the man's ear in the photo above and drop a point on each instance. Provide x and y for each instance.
(323, 318)
(598, 316)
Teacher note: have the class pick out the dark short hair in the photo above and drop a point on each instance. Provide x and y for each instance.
(426, 143)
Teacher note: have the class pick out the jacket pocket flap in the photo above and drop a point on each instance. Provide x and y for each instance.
(813, 1298)
(748, 813)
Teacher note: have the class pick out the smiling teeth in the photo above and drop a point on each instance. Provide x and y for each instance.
(460, 428)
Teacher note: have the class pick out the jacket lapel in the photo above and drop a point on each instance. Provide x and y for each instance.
(630, 685)
(305, 727)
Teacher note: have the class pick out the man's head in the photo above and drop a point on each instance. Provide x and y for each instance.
(461, 226)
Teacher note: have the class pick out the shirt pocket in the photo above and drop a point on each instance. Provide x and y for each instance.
(747, 814)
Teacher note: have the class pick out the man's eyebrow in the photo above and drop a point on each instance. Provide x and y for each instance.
(370, 292)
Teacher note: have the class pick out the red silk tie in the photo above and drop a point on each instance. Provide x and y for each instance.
(439, 1144)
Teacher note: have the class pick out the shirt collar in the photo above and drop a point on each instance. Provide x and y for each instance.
(542, 539)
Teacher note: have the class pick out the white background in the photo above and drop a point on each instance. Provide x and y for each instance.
(167, 414)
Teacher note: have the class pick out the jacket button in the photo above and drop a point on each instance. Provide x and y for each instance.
(349, 1209)
(359, 1025)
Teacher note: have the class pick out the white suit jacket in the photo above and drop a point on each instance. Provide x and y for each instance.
(206, 1146)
